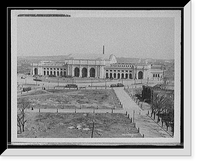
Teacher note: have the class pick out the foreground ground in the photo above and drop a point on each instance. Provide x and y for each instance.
(64, 98)
(78, 125)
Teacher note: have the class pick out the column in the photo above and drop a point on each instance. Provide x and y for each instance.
(88, 71)
(68, 70)
(72, 70)
(101, 72)
(80, 71)
(56, 71)
(96, 72)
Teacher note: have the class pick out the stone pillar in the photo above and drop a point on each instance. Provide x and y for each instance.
(108, 73)
(88, 71)
(80, 71)
(96, 72)
(72, 70)
(102, 73)
(56, 72)
(68, 70)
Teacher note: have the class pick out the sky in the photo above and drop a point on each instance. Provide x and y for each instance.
(137, 37)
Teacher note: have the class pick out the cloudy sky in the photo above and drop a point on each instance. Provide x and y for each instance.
(139, 37)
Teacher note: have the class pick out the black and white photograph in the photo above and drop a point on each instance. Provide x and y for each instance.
(96, 78)
(93, 74)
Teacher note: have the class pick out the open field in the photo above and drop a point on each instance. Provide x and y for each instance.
(64, 98)
(78, 125)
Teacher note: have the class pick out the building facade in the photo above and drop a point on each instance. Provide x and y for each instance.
(98, 66)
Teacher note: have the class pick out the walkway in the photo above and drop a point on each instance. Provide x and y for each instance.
(76, 110)
(147, 126)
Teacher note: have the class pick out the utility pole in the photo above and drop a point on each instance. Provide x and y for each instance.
(103, 49)
(93, 120)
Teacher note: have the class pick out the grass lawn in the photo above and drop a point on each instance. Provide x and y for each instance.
(78, 125)
(70, 99)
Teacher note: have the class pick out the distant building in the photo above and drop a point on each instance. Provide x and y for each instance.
(99, 66)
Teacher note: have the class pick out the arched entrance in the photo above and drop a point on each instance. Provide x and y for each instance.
(76, 72)
(111, 75)
(140, 75)
(122, 76)
(130, 76)
(106, 75)
(84, 72)
(36, 71)
(92, 72)
(118, 75)
(114, 75)
(126, 75)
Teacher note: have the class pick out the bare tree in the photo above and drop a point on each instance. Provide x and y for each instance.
(157, 105)
(168, 111)
(22, 105)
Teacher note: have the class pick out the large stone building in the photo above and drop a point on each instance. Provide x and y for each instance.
(99, 66)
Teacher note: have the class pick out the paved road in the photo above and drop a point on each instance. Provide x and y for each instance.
(49, 82)
(146, 125)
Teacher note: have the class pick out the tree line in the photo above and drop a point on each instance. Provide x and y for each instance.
(162, 104)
